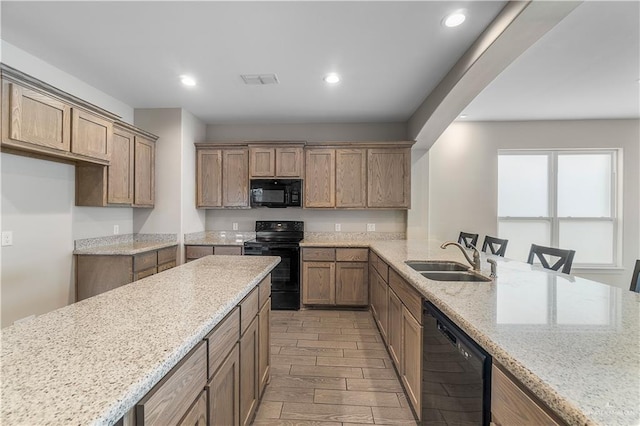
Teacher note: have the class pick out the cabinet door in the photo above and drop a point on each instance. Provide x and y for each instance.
(389, 178)
(249, 373)
(351, 178)
(264, 352)
(395, 328)
(318, 283)
(320, 178)
(289, 162)
(411, 361)
(235, 178)
(144, 172)
(352, 285)
(380, 298)
(209, 178)
(35, 118)
(90, 135)
(224, 391)
(120, 172)
(197, 414)
(262, 162)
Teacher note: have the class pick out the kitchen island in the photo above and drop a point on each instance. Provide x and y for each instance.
(572, 342)
(91, 362)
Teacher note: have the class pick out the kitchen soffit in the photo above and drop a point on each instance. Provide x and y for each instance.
(390, 55)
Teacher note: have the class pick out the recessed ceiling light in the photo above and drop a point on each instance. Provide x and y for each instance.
(454, 19)
(463, 116)
(332, 78)
(187, 80)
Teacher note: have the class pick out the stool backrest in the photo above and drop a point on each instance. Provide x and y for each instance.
(467, 239)
(497, 246)
(635, 278)
(565, 257)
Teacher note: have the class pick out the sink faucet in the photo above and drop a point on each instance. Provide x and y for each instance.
(476, 254)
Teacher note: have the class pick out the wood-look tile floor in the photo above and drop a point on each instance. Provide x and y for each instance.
(330, 368)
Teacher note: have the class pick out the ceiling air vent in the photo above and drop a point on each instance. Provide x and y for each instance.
(259, 79)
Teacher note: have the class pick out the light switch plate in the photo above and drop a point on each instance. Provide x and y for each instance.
(7, 238)
(116, 229)
(234, 226)
(371, 227)
(338, 227)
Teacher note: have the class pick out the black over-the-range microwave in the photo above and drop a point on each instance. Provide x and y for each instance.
(276, 193)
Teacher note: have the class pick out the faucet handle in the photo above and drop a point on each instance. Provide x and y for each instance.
(494, 268)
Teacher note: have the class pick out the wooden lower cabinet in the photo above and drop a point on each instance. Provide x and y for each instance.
(411, 360)
(249, 373)
(197, 414)
(352, 285)
(379, 302)
(169, 401)
(97, 274)
(319, 287)
(224, 391)
(395, 328)
(264, 342)
(511, 404)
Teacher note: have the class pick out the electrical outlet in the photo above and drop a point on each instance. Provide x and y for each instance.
(338, 227)
(116, 229)
(234, 226)
(7, 238)
(371, 227)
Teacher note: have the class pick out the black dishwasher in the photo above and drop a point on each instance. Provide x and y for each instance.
(456, 374)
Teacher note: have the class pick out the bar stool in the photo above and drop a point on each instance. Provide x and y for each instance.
(467, 239)
(497, 246)
(565, 257)
(635, 278)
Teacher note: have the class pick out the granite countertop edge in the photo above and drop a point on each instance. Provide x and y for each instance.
(125, 249)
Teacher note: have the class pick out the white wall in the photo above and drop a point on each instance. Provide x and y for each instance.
(193, 130)
(315, 220)
(38, 206)
(463, 175)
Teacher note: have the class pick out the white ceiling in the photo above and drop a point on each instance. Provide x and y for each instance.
(587, 67)
(390, 54)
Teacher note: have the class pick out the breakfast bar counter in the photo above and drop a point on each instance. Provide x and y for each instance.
(574, 343)
(92, 361)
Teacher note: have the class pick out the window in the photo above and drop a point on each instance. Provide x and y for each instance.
(565, 199)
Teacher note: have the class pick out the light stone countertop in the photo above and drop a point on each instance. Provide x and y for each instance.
(347, 239)
(126, 249)
(573, 342)
(218, 238)
(90, 362)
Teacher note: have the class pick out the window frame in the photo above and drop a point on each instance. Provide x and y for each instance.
(552, 193)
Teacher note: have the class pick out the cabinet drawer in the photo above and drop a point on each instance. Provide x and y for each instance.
(170, 399)
(409, 297)
(168, 254)
(380, 266)
(144, 274)
(222, 339)
(196, 252)
(319, 254)
(512, 405)
(166, 266)
(228, 250)
(248, 310)
(352, 254)
(144, 261)
(264, 290)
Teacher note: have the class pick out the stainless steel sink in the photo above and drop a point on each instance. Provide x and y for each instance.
(454, 276)
(436, 265)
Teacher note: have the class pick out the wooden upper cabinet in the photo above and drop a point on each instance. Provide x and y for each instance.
(209, 178)
(389, 178)
(35, 118)
(275, 162)
(144, 175)
(320, 178)
(120, 172)
(90, 135)
(351, 176)
(262, 162)
(235, 178)
(289, 162)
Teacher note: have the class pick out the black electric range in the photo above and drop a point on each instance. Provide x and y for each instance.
(280, 238)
